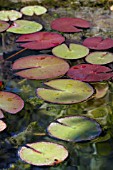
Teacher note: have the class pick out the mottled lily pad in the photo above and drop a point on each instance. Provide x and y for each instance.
(43, 153)
(90, 72)
(74, 128)
(3, 26)
(65, 91)
(10, 15)
(99, 58)
(24, 27)
(31, 10)
(41, 40)
(75, 51)
(40, 67)
(69, 24)
(2, 125)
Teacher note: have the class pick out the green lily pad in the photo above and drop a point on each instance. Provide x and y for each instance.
(43, 153)
(10, 15)
(75, 51)
(24, 27)
(3, 26)
(66, 91)
(31, 10)
(2, 125)
(99, 58)
(74, 128)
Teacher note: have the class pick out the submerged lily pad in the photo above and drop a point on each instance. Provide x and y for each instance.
(41, 40)
(74, 128)
(31, 10)
(2, 125)
(90, 72)
(69, 24)
(10, 15)
(43, 153)
(40, 67)
(24, 27)
(65, 91)
(3, 26)
(75, 51)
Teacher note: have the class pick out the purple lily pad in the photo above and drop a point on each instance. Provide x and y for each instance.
(2, 125)
(69, 24)
(3, 26)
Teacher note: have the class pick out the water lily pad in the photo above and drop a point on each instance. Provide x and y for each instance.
(98, 43)
(3, 26)
(10, 102)
(1, 114)
(74, 128)
(10, 15)
(41, 40)
(90, 72)
(40, 67)
(75, 51)
(24, 27)
(43, 153)
(2, 125)
(69, 24)
(31, 10)
(65, 91)
(99, 58)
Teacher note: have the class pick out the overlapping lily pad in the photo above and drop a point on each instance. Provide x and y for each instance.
(24, 27)
(3, 26)
(90, 72)
(40, 67)
(74, 128)
(2, 125)
(41, 40)
(10, 15)
(43, 153)
(75, 51)
(31, 10)
(65, 91)
(69, 24)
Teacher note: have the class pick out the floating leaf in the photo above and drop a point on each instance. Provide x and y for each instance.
(10, 15)
(41, 40)
(69, 24)
(74, 128)
(31, 10)
(66, 91)
(1, 114)
(2, 125)
(43, 153)
(24, 27)
(75, 51)
(40, 67)
(3, 26)
(10, 102)
(98, 43)
(90, 72)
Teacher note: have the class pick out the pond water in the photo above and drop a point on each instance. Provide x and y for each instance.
(30, 124)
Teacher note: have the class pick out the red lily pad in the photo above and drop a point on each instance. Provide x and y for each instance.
(69, 24)
(3, 26)
(90, 72)
(98, 43)
(41, 40)
(40, 67)
(2, 125)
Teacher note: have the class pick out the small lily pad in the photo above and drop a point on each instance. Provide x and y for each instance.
(3, 26)
(65, 91)
(41, 40)
(74, 128)
(24, 27)
(43, 153)
(75, 51)
(2, 125)
(1, 114)
(10, 15)
(31, 10)
(40, 67)
(99, 58)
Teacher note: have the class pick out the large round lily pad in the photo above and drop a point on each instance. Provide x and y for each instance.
(75, 51)
(41, 40)
(3, 26)
(43, 153)
(74, 128)
(40, 67)
(90, 72)
(10, 15)
(69, 24)
(10, 102)
(24, 27)
(65, 91)
(99, 58)
(2, 125)
(31, 10)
